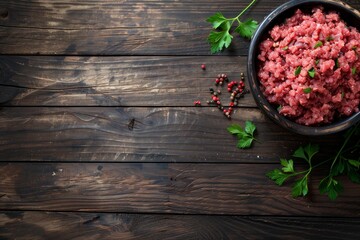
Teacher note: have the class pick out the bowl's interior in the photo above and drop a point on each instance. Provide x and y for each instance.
(350, 15)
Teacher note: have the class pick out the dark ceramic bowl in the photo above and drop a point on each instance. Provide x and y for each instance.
(350, 15)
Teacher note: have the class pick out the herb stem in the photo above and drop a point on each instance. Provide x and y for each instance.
(342, 147)
(245, 9)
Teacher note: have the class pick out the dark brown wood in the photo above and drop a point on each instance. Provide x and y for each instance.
(141, 134)
(73, 225)
(119, 27)
(115, 81)
(238, 189)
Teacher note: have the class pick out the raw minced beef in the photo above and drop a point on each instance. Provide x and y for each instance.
(319, 43)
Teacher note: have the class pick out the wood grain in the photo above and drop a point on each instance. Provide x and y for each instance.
(236, 189)
(126, 27)
(158, 135)
(73, 225)
(115, 81)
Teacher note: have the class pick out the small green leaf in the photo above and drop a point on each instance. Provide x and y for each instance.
(354, 175)
(288, 165)
(216, 20)
(235, 129)
(246, 29)
(354, 163)
(299, 153)
(338, 168)
(245, 142)
(342, 95)
(317, 61)
(300, 188)
(279, 108)
(277, 176)
(285, 48)
(311, 150)
(250, 127)
(318, 44)
(329, 38)
(297, 71)
(311, 72)
(330, 186)
(337, 64)
(353, 70)
(307, 90)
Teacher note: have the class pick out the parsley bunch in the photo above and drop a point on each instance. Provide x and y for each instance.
(346, 161)
(222, 37)
(245, 136)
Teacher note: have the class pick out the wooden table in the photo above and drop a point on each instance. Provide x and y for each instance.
(75, 74)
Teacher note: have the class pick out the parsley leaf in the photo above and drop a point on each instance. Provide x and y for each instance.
(307, 90)
(317, 61)
(300, 188)
(216, 20)
(278, 176)
(329, 38)
(288, 165)
(330, 186)
(222, 37)
(285, 48)
(297, 71)
(245, 136)
(353, 70)
(318, 44)
(246, 29)
(311, 72)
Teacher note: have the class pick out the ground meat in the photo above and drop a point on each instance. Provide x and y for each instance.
(322, 44)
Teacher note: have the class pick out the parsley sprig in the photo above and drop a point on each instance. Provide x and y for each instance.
(221, 36)
(346, 161)
(245, 135)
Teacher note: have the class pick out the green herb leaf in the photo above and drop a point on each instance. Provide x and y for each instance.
(353, 70)
(338, 168)
(318, 44)
(279, 108)
(329, 38)
(250, 128)
(222, 38)
(245, 136)
(219, 40)
(246, 29)
(277, 176)
(307, 90)
(330, 186)
(297, 71)
(300, 153)
(354, 175)
(311, 72)
(342, 95)
(337, 64)
(300, 188)
(285, 48)
(245, 142)
(288, 165)
(354, 163)
(235, 129)
(216, 20)
(311, 150)
(317, 61)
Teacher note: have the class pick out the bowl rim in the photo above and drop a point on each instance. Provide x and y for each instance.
(254, 85)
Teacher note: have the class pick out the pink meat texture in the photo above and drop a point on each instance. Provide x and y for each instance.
(320, 43)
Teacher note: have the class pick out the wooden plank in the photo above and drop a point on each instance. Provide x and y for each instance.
(70, 225)
(115, 81)
(236, 189)
(158, 135)
(115, 27)
(119, 27)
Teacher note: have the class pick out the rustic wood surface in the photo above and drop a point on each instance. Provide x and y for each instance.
(99, 138)
(51, 225)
